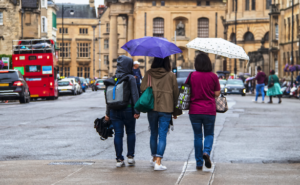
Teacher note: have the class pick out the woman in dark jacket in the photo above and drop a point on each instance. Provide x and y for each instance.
(205, 87)
(165, 92)
(126, 117)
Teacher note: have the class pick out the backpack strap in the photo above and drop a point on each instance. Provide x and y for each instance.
(149, 81)
(114, 90)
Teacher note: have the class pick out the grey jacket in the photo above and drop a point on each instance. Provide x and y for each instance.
(124, 68)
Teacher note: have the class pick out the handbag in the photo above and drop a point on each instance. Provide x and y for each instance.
(221, 104)
(271, 84)
(146, 102)
(184, 98)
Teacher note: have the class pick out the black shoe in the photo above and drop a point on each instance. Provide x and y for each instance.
(279, 102)
(270, 102)
(207, 160)
(199, 167)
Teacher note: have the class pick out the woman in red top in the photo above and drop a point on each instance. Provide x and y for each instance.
(205, 87)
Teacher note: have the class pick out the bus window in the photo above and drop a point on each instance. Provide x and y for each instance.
(30, 69)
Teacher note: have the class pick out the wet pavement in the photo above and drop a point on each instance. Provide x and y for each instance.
(254, 144)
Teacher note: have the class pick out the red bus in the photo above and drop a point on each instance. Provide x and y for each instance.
(36, 60)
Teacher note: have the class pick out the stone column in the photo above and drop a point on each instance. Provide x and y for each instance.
(113, 42)
(130, 27)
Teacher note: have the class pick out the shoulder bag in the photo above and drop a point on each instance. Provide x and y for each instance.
(271, 83)
(146, 101)
(221, 104)
(184, 98)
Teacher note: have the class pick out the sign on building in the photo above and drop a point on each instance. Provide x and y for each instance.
(6, 61)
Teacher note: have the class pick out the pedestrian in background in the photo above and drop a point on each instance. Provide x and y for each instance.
(260, 86)
(165, 92)
(137, 75)
(126, 117)
(298, 85)
(205, 88)
(274, 90)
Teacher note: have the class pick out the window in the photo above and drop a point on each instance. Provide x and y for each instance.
(44, 3)
(63, 30)
(153, 3)
(203, 28)
(44, 24)
(106, 44)
(289, 29)
(198, 3)
(87, 72)
(247, 5)
(79, 71)
(276, 32)
(106, 61)
(53, 20)
(266, 37)
(207, 3)
(1, 18)
(83, 50)
(276, 65)
(253, 4)
(64, 50)
(67, 71)
(83, 30)
(248, 36)
(268, 4)
(232, 37)
(107, 27)
(162, 3)
(158, 27)
(234, 5)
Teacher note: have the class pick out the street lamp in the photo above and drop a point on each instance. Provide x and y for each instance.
(63, 31)
(292, 54)
(235, 22)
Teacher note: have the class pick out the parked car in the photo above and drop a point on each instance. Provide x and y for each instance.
(77, 82)
(98, 85)
(67, 86)
(13, 86)
(83, 83)
(182, 75)
(235, 86)
(223, 85)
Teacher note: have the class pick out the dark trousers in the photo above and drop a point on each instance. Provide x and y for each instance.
(121, 119)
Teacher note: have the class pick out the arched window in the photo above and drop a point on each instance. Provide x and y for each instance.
(268, 4)
(203, 28)
(266, 37)
(232, 37)
(158, 27)
(248, 36)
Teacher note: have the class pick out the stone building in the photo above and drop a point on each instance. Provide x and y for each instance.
(281, 36)
(10, 25)
(251, 33)
(124, 20)
(48, 19)
(78, 40)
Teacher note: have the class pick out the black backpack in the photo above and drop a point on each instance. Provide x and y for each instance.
(117, 93)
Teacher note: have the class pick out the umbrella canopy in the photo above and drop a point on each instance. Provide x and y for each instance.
(151, 47)
(218, 46)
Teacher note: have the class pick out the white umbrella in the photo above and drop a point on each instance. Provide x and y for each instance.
(218, 46)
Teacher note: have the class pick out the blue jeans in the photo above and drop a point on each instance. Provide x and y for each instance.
(159, 125)
(208, 123)
(121, 118)
(261, 88)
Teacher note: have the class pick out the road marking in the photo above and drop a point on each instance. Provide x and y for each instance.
(182, 173)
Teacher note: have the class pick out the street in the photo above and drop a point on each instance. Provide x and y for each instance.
(54, 142)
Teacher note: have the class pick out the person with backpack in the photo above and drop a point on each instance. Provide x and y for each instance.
(205, 87)
(165, 92)
(274, 88)
(121, 95)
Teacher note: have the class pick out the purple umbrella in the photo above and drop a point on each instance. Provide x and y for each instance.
(151, 47)
(1, 64)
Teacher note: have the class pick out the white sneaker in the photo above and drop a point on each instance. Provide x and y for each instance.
(131, 161)
(254, 101)
(120, 164)
(159, 167)
(152, 163)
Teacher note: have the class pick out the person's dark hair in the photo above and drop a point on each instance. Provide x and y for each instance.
(272, 72)
(160, 62)
(203, 63)
(259, 68)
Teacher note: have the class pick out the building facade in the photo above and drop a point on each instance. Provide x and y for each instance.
(124, 20)
(283, 36)
(78, 40)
